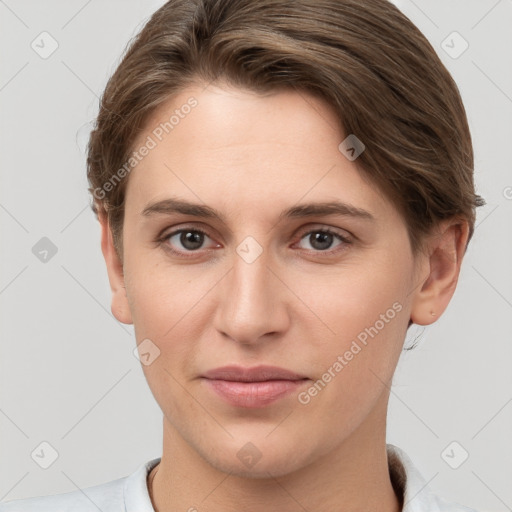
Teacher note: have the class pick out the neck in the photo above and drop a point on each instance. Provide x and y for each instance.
(355, 476)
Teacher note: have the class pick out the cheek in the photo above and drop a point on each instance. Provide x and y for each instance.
(162, 302)
(159, 295)
(365, 309)
(351, 300)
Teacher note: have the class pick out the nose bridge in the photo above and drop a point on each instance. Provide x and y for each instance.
(249, 306)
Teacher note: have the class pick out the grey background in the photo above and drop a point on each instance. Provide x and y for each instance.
(67, 369)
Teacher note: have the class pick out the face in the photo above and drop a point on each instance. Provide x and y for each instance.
(257, 275)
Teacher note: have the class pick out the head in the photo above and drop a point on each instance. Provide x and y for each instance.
(255, 112)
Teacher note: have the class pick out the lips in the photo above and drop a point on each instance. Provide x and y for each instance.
(252, 387)
(255, 374)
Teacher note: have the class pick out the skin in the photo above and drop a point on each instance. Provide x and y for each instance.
(296, 306)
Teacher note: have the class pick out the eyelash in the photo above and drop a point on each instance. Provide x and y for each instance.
(161, 240)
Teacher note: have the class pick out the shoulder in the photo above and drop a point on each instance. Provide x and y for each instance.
(450, 506)
(106, 497)
(129, 493)
(412, 486)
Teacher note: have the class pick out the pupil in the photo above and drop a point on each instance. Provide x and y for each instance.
(193, 241)
(322, 238)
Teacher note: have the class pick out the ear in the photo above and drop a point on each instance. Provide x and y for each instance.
(439, 271)
(119, 307)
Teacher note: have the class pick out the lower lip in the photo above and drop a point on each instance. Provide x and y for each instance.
(254, 394)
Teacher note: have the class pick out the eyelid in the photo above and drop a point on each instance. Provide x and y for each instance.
(342, 233)
(172, 230)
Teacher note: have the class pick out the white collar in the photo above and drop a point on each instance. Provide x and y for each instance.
(405, 477)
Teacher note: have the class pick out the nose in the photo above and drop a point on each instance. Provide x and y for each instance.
(252, 301)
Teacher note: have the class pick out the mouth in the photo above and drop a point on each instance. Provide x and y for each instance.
(254, 387)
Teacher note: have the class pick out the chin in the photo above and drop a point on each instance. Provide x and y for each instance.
(275, 466)
(259, 459)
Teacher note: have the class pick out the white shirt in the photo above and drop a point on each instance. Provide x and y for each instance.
(130, 493)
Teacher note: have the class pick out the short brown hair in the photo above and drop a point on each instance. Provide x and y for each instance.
(370, 63)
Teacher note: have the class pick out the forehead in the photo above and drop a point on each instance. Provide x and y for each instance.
(237, 148)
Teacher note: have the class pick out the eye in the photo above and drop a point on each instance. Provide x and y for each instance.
(186, 240)
(321, 240)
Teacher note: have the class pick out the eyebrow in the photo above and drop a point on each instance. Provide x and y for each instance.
(175, 205)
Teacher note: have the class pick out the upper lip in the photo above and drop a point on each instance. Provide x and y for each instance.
(254, 374)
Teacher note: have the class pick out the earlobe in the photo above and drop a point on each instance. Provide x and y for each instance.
(120, 307)
(445, 253)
